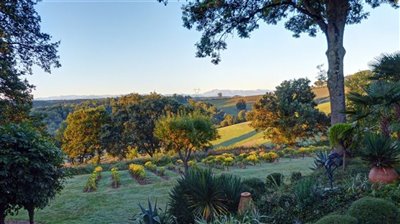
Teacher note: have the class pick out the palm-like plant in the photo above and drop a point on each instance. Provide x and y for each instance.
(379, 99)
(382, 96)
(387, 67)
(380, 151)
(200, 194)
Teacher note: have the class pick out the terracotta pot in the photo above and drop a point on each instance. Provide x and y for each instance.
(383, 175)
(246, 203)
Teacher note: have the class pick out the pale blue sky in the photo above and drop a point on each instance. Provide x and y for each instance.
(119, 47)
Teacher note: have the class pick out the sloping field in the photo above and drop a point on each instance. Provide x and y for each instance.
(325, 107)
(228, 105)
(239, 135)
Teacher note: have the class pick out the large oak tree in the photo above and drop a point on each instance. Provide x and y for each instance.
(22, 45)
(218, 19)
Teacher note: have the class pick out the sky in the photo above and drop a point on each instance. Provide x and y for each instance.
(124, 46)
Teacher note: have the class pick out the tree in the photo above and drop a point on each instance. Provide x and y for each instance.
(133, 123)
(208, 109)
(241, 117)
(31, 169)
(22, 45)
(358, 81)
(219, 95)
(185, 134)
(82, 135)
(321, 76)
(219, 19)
(241, 104)
(228, 120)
(289, 114)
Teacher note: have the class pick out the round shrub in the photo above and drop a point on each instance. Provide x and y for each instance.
(337, 219)
(370, 210)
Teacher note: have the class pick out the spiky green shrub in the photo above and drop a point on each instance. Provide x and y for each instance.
(370, 210)
(200, 194)
(274, 180)
(337, 219)
(295, 176)
(305, 191)
(380, 151)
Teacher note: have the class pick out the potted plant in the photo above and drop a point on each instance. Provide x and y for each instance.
(382, 153)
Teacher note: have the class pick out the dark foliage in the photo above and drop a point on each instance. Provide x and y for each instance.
(200, 194)
(31, 169)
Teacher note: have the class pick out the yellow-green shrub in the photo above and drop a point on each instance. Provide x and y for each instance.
(116, 180)
(137, 171)
(150, 166)
(98, 169)
(269, 156)
(252, 158)
(91, 184)
(192, 163)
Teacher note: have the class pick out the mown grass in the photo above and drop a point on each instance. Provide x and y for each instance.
(228, 104)
(239, 135)
(108, 205)
(325, 107)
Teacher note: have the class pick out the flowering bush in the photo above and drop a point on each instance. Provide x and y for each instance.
(252, 158)
(269, 156)
(150, 166)
(137, 171)
(116, 180)
(91, 184)
(98, 169)
(209, 160)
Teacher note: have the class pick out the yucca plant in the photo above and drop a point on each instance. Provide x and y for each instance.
(380, 151)
(200, 194)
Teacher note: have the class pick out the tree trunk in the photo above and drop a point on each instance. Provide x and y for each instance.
(31, 213)
(337, 13)
(186, 166)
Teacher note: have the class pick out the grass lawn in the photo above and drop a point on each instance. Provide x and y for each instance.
(239, 135)
(108, 205)
(325, 107)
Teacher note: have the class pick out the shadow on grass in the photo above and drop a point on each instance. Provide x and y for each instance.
(235, 140)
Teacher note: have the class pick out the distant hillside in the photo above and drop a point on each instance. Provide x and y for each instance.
(239, 135)
(73, 97)
(231, 93)
(228, 104)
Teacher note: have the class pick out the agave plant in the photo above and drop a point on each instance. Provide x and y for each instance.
(149, 215)
(330, 162)
(380, 151)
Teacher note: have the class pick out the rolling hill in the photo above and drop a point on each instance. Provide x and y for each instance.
(239, 135)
